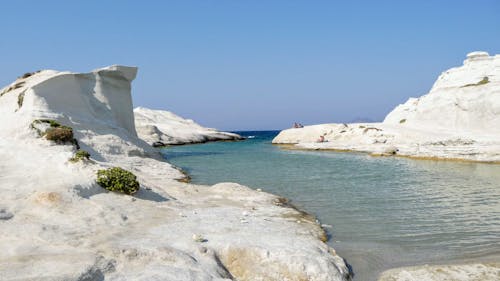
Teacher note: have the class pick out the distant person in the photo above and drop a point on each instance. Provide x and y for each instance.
(297, 125)
(321, 138)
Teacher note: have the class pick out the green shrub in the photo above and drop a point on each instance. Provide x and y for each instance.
(56, 132)
(60, 134)
(402, 121)
(118, 179)
(80, 155)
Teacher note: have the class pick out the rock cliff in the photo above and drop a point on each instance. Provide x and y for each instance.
(457, 119)
(463, 99)
(57, 223)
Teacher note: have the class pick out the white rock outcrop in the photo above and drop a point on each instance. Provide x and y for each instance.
(159, 127)
(463, 272)
(458, 119)
(57, 223)
(464, 99)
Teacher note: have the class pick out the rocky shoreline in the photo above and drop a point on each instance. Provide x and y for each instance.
(457, 120)
(58, 223)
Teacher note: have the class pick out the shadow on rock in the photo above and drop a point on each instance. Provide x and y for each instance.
(148, 194)
(89, 191)
(143, 193)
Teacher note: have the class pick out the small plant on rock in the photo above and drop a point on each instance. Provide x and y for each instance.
(55, 131)
(118, 179)
(20, 99)
(61, 134)
(402, 121)
(40, 125)
(27, 74)
(485, 80)
(80, 155)
(12, 87)
(52, 123)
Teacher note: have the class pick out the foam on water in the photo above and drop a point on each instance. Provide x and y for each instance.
(384, 212)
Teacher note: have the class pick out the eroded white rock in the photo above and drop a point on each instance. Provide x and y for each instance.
(56, 223)
(464, 272)
(458, 119)
(159, 127)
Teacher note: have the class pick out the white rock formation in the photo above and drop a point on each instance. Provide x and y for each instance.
(458, 119)
(159, 127)
(463, 99)
(56, 223)
(466, 272)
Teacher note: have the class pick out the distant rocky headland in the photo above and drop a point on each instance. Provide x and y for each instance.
(160, 128)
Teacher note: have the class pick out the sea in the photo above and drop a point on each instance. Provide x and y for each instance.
(379, 212)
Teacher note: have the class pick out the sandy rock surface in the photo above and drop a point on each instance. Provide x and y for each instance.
(57, 223)
(467, 272)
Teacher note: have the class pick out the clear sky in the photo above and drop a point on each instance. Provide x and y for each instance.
(254, 64)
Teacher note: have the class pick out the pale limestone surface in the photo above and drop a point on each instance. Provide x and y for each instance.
(56, 223)
(164, 127)
(466, 272)
(458, 119)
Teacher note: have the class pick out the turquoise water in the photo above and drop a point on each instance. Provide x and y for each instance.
(384, 212)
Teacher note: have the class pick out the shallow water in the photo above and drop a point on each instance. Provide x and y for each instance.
(384, 212)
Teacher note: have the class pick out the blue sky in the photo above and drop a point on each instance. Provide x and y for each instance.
(254, 64)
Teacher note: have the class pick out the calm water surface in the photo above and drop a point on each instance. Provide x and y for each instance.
(384, 212)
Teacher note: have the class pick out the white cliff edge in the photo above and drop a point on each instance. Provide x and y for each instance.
(458, 119)
(57, 223)
(159, 128)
